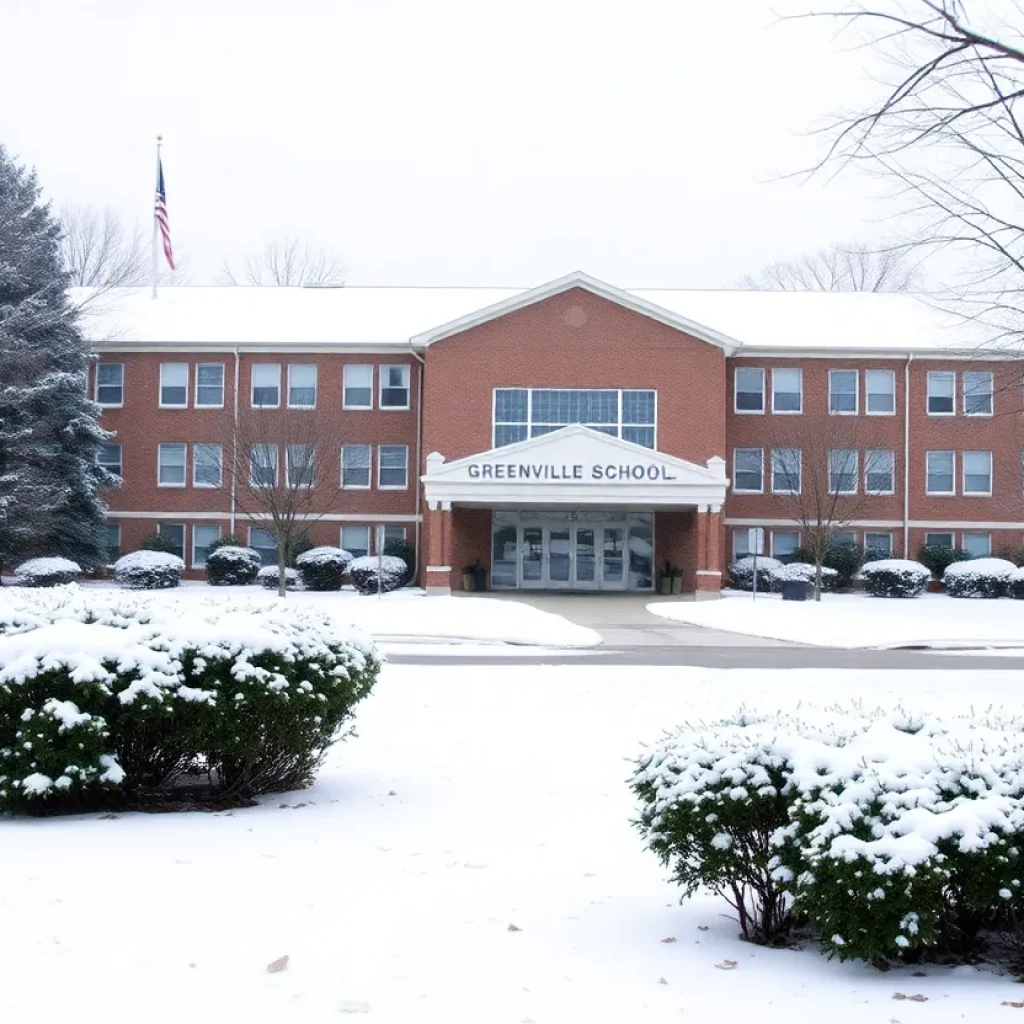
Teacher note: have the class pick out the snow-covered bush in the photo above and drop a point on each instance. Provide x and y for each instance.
(741, 572)
(803, 572)
(938, 559)
(47, 572)
(231, 566)
(894, 577)
(980, 577)
(270, 577)
(366, 571)
(148, 570)
(323, 568)
(1016, 585)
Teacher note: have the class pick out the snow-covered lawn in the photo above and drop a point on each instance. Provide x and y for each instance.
(856, 620)
(470, 802)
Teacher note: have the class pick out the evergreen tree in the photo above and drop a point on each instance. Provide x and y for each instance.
(50, 482)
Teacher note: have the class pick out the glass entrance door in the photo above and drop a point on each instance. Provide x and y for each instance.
(559, 556)
(531, 550)
(585, 560)
(613, 561)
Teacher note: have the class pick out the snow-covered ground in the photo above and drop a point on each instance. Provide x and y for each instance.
(469, 803)
(856, 620)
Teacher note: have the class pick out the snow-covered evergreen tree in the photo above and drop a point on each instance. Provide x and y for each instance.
(50, 482)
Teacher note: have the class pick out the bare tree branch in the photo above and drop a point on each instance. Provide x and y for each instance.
(856, 267)
(99, 251)
(287, 262)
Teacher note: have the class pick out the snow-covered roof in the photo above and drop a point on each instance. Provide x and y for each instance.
(747, 322)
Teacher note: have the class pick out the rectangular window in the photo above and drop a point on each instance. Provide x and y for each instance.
(263, 465)
(939, 473)
(844, 537)
(110, 384)
(842, 392)
(173, 385)
(784, 544)
(266, 385)
(394, 387)
(787, 390)
(977, 468)
(941, 388)
(175, 533)
(357, 387)
(171, 465)
(392, 466)
(355, 466)
(109, 458)
(302, 385)
(978, 545)
(393, 533)
(938, 540)
(203, 535)
(880, 389)
(748, 470)
(842, 471)
(263, 543)
(300, 465)
(356, 540)
(978, 391)
(740, 544)
(207, 465)
(786, 470)
(878, 545)
(210, 386)
(880, 471)
(749, 389)
(112, 541)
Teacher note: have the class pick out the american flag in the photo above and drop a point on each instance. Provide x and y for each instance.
(160, 212)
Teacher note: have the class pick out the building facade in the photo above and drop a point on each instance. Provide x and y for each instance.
(573, 436)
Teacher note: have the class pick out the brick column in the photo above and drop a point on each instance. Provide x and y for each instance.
(439, 570)
(709, 542)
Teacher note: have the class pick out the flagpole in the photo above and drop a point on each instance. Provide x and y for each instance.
(159, 142)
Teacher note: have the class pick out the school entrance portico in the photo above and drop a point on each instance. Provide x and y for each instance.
(574, 510)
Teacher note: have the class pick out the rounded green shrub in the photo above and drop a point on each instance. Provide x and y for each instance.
(47, 572)
(148, 570)
(894, 577)
(231, 566)
(371, 575)
(323, 568)
(979, 577)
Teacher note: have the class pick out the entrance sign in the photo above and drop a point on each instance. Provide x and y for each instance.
(576, 471)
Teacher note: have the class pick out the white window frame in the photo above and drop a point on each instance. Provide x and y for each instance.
(355, 526)
(856, 392)
(253, 385)
(184, 535)
(288, 466)
(800, 390)
(173, 405)
(891, 375)
(963, 474)
(391, 526)
(195, 528)
(223, 387)
(855, 473)
(736, 553)
(991, 392)
(96, 392)
(736, 391)
(879, 533)
(344, 385)
(184, 462)
(380, 467)
(381, 375)
(738, 490)
(799, 540)
(369, 469)
(892, 473)
(277, 465)
(952, 475)
(799, 469)
(940, 533)
(316, 385)
(928, 392)
(976, 533)
(195, 465)
(120, 458)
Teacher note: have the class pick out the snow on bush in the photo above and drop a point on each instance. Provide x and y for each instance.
(803, 572)
(46, 572)
(389, 569)
(979, 577)
(232, 566)
(104, 692)
(1016, 584)
(323, 568)
(148, 570)
(269, 577)
(741, 572)
(894, 577)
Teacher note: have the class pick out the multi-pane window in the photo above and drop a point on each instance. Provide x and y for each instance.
(878, 545)
(786, 470)
(941, 391)
(357, 386)
(175, 533)
(938, 540)
(978, 390)
(977, 468)
(110, 458)
(174, 385)
(880, 471)
(843, 537)
(300, 465)
(978, 545)
(203, 535)
(393, 533)
(393, 466)
(748, 470)
(356, 540)
(355, 465)
(521, 413)
(880, 392)
(207, 465)
(939, 477)
(263, 543)
(112, 541)
(842, 392)
(787, 390)
(749, 389)
(842, 471)
(266, 385)
(171, 465)
(263, 465)
(784, 544)
(740, 543)
(110, 383)
(394, 387)
(210, 385)
(302, 385)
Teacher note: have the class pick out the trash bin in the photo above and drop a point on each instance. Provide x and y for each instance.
(795, 590)
(480, 577)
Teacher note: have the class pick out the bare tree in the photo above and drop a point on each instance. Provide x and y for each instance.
(287, 261)
(857, 267)
(99, 251)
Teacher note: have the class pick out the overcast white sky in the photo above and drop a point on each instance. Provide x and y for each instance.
(450, 142)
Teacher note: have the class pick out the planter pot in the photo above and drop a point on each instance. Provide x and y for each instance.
(664, 584)
(469, 581)
(677, 584)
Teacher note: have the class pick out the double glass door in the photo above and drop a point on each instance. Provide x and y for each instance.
(573, 556)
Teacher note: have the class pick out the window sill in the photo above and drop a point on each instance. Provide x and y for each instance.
(392, 487)
(942, 415)
(171, 486)
(394, 408)
(787, 412)
(204, 405)
(206, 487)
(847, 412)
(110, 405)
(162, 406)
(737, 491)
(355, 487)
(748, 412)
(880, 413)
